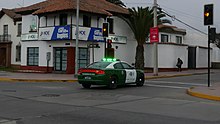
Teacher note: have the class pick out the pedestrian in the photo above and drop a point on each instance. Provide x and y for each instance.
(179, 64)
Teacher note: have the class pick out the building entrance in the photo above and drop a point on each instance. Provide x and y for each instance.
(60, 59)
(2, 56)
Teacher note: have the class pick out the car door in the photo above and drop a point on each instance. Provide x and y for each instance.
(131, 73)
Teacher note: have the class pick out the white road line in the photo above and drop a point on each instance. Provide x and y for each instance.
(166, 82)
(163, 86)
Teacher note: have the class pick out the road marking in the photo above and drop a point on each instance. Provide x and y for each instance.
(7, 122)
(163, 86)
(167, 82)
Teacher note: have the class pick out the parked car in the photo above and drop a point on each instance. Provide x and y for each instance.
(110, 72)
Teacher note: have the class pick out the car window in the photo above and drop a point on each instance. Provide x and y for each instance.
(118, 66)
(126, 66)
(99, 65)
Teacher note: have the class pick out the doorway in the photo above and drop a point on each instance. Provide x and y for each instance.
(191, 57)
(2, 56)
(60, 59)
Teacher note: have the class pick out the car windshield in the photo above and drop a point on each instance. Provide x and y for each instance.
(99, 65)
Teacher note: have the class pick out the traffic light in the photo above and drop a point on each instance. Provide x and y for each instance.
(212, 33)
(105, 29)
(109, 43)
(208, 14)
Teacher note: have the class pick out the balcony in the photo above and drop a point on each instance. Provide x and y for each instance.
(5, 38)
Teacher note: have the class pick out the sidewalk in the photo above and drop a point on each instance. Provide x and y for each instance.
(212, 93)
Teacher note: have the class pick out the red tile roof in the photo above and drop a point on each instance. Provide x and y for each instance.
(11, 13)
(92, 6)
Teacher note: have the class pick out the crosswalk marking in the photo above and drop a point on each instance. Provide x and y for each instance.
(184, 83)
(173, 85)
(164, 86)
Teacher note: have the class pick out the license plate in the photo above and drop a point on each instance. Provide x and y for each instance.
(88, 73)
(87, 77)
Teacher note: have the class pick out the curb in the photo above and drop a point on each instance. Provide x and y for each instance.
(201, 95)
(35, 80)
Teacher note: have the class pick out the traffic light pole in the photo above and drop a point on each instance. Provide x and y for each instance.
(209, 56)
(105, 52)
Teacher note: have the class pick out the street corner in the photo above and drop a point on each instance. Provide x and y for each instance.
(209, 93)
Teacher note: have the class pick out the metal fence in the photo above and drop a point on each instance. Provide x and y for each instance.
(5, 38)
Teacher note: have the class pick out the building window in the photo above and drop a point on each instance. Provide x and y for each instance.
(19, 29)
(164, 38)
(86, 21)
(83, 57)
(5, 30)
(33, 26)
(18, 53)
(32, 56)
(179, 39)
(63, 19)
(111, 25)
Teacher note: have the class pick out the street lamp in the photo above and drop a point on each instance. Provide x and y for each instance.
(155, 53)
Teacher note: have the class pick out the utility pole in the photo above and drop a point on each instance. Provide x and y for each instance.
(155, 45)
(77, 38)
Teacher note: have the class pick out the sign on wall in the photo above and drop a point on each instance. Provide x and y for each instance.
(55, 33)
(29, 37)
(89, 34)
(154, 34)
(118, 39)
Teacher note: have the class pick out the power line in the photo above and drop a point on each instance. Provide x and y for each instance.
(173, 17)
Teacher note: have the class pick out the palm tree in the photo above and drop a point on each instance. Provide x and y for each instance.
(140, 21)
(117, 2)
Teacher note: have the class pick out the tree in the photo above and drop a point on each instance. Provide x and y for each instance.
(140, 21)
(117, 2)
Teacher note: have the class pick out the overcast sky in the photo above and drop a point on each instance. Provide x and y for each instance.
(188, 11)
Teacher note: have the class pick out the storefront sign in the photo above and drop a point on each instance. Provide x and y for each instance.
(29, 37)
(89, 34)
(55, 33)
(118, 39)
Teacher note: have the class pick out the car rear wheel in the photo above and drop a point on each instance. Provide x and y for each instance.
(87, 86)
(113, 82)
(140, 81)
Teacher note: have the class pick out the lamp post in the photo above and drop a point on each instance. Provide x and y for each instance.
(155, 45)
(77, 37)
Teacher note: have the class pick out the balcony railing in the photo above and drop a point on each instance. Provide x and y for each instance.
(5, 38)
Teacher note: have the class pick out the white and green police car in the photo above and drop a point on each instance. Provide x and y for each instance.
(110, 72)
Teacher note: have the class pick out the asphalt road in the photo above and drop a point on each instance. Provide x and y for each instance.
(159, 101)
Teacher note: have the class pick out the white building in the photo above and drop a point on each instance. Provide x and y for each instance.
(10, 43)
(48, 38)
(50, 28)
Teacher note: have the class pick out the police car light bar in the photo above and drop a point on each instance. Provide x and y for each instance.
(109, 59)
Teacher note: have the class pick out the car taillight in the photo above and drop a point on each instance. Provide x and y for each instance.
(96, 71)
(80, 71)
(100, 72)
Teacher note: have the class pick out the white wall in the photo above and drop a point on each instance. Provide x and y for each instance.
(202, 57)
(215, 53)
(125, 52)
(167, 55)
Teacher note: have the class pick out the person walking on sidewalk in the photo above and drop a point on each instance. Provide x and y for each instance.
(179, 64)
